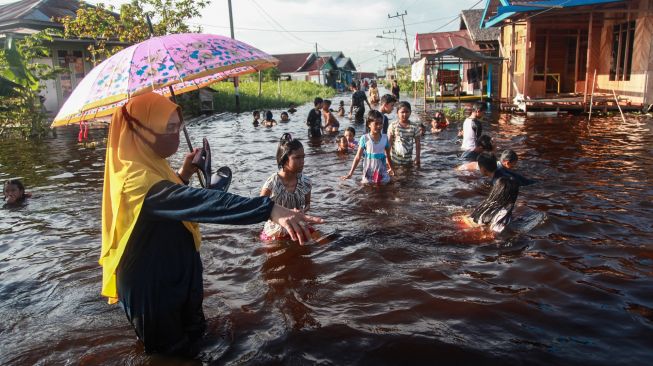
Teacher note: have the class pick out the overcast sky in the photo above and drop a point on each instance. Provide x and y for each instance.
(350, 26)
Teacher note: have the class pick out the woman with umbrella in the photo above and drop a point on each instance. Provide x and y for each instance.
(150, 236)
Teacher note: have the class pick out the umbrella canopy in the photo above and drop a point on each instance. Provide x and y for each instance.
(184, 62)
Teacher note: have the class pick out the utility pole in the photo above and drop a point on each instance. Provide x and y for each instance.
(319, 71)
(231, 25)
(404, 24)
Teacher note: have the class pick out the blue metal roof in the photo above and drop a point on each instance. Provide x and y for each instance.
(506, 10)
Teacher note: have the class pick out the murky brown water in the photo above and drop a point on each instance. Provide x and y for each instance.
(398, 284)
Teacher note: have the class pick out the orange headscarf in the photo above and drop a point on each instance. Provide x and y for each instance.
(131, 169)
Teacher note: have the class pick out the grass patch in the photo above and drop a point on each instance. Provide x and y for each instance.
(297, 92)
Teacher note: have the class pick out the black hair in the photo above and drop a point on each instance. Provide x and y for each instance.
(438, 115)
(487, 161)
(373, 115)
(351, 129)
(327, 102)
(268, 116)
(284, 112)
(14, 182)
(342, 102)
(509, 155)
(388, 98)
(255, 113)
(287, 145)
(317, 101)
(502, 196)
(478, 107)
(403, 104)
(485, 142)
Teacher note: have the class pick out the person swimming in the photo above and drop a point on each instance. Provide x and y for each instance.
(507, 162)
(496, 209)
(14, 192)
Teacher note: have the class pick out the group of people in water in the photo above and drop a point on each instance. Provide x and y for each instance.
(150, 235)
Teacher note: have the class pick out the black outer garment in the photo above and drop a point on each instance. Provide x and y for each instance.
(159, 277)
(505, 172)
(395, 91)
(314, 123)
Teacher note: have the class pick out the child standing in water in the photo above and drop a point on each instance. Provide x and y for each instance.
(331, 124)
(377, 167)
(343, 146)
(341, 109)
(387, 106)
(256, 115)
(288, 187)
(374, 93)
(269, 121)
(505, 168)
(403, 135)
(314, 119)
(14, 192)
(284, 117)
(350, 135)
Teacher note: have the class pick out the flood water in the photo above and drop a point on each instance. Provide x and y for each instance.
(397, 284)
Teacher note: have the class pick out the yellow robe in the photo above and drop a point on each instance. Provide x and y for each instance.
(131, 169)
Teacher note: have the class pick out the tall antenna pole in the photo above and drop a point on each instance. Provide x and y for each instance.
(231, 25)
(404, 24)
(319, 71)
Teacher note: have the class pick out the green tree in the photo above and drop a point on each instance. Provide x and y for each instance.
(20, 104)
(109, 29)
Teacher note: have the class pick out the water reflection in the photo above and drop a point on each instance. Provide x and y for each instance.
(397, 283)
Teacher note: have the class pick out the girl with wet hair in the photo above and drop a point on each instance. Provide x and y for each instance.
(269, 120)
(496, 209)
(375, 149)
(288, 187)
(14, 192)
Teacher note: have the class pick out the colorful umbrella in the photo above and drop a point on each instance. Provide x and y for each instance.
(167, 65)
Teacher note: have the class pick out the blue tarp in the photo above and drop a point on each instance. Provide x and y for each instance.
(506, 11)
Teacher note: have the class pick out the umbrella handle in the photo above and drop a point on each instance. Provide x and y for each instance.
(190, 145)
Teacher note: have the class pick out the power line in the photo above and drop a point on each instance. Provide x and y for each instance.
(278, 24)
(455, 18)
(317, 30)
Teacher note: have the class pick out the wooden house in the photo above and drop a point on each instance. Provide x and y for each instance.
(26, 17)
(554, 49)
(310, 66)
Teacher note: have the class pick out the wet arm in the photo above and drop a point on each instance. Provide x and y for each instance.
(387, 158)
(307, 199)
(354, 165)
(170, 201)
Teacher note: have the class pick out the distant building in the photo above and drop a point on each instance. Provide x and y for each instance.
(556, 47)
(27, 17)
(329, 68)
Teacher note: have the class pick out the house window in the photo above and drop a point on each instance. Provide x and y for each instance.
(74, 71)
(623, 37)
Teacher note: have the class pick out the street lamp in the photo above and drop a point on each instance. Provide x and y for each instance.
(399, 39)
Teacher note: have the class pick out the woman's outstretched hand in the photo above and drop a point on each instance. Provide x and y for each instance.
(294, 222)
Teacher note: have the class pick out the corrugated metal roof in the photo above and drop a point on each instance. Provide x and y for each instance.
(437, 42)
(509, 9)
(472, 19)
(344, 61)
(292, 62)
(39, 10)
(315, 64)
